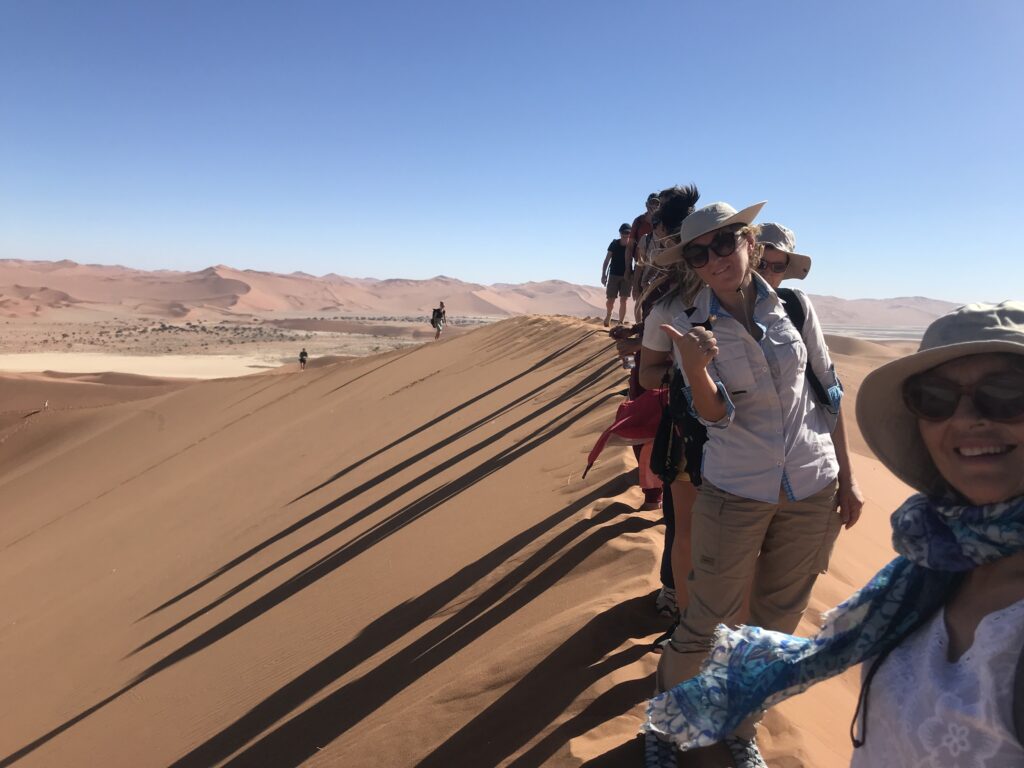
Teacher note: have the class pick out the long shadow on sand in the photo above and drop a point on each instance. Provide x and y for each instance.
(397, 520)
(339, 557)
(471, 401)
(405, 464)
(415, 483)
(300, 737)
(539, 697)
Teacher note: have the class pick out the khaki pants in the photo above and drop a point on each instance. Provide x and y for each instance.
(781, 548)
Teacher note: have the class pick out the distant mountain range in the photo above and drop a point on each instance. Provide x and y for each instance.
(66, 288)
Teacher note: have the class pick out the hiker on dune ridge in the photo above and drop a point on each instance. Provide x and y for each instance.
(616, 275)
(437, 320)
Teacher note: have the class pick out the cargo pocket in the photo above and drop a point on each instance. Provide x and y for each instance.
(706, 530)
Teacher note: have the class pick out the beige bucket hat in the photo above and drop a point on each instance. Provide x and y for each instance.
(700, 222)
(889, 428)
(782, 239)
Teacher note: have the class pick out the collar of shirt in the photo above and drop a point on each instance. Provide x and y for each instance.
(706, 303)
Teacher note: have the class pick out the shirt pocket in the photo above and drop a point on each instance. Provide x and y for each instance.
(734, 370)
(789, 351)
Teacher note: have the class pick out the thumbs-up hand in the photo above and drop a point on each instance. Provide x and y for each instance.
(697, 347)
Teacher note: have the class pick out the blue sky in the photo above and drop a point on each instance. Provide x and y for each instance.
(506, 141)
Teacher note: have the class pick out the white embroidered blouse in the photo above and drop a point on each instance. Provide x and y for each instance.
(928, 712)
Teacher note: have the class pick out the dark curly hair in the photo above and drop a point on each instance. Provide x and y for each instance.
(676, 204)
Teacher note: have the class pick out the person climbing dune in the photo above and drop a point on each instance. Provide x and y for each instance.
(437, 320)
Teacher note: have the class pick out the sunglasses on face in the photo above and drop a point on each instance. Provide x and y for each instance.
(996, 397)
(723, 244)
(778, 267)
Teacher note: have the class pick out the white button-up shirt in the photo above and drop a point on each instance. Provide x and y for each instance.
(775, 437)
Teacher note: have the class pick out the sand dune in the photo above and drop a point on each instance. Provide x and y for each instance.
(384, 561)
(167, 365)
(371, 329)
(222, 291)
(912, 311)
(25, 395)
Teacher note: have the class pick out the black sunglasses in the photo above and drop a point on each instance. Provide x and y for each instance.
(778, 267)
(997, 396)
(723, 244)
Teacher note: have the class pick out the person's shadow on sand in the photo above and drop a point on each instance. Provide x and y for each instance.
(545, 691)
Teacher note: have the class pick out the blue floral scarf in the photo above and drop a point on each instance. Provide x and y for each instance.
(750, 669)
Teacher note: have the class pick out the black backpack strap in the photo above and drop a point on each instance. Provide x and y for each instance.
(795, 310)
(1018, 699)
(693, 434)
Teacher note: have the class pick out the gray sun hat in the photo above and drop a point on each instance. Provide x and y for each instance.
(700, 222)
(888, 427)
(782, 239)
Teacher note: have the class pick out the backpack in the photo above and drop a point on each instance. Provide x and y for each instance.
(680, 435)
(435, 316)
(690, 435)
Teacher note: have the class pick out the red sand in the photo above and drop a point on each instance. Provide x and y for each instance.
(386, 561)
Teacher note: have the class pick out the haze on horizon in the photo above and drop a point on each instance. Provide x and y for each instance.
(506, 144)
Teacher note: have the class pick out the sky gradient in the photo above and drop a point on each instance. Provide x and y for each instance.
(506, 141)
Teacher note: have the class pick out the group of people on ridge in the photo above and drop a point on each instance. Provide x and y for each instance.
(761, 484)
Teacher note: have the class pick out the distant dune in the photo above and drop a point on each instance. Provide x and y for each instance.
(912, 311)
(382, 561)
(67, 289)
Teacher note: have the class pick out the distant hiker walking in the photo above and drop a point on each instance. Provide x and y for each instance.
(437, 320)
(303, 357)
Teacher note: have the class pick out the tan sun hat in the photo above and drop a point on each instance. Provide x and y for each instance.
(782, 239)
(889, 428)
(700, 222)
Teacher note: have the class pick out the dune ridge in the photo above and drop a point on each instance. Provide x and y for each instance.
(389, 560)
(222, 291)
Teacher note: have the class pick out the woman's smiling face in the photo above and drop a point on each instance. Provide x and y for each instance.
(724, 273)
(981, 458)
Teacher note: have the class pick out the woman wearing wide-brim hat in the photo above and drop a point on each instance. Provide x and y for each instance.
(942, 625)
(766, 517)
(778, 261)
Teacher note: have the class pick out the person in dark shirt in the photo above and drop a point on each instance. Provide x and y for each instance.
(437, 319)
(303, 357)
(617, 275)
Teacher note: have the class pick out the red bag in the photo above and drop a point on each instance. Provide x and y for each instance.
(636, 422)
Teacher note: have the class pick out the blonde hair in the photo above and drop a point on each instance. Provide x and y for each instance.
(688, 283)
(755, 250)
